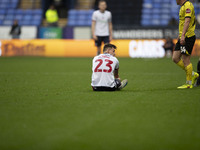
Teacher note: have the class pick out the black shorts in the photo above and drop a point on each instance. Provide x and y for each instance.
(101, 39)
(187, 48)
(103, 88)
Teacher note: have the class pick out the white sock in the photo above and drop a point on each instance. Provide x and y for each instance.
(193, 73)
(189, 82)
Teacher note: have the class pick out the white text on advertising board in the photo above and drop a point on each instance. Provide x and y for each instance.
(146, 49)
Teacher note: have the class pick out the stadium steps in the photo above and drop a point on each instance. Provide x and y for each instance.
(28, 4)
(85, 4)
(61, 23)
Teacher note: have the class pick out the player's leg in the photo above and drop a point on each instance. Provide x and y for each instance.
(177, 56)
(98, 45)
(177, 59)
(106, 39)
(186, 51)
(188, 69)
(189, 46)
(98, 50)
(120, 84)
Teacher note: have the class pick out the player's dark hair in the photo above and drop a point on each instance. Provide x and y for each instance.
(102, 1)
(106, 46)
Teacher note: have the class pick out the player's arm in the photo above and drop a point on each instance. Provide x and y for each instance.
(116, 73)
(185, 28)
(110, 30)
(93, 30)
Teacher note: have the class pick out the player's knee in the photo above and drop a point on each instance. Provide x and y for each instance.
(175, 59)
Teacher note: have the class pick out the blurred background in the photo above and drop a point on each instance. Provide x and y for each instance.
(132, 19)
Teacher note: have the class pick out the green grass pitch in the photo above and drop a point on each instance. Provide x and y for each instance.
(48, 104)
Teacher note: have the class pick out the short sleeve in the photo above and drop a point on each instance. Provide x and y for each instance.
(94, 18)
(110, 17)
(117, 64)
(188, 10)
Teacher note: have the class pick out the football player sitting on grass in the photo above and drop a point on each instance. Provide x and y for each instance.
(105, 68)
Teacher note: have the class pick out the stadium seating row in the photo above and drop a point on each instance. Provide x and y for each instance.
(25, 17)
(7, 4)
(159, 12)
(79, 17)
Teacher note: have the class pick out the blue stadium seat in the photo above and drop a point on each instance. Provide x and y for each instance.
(165, 11)
(2, 11)
(28, 12)
(145, 22)
(166, 1)
(156, 22)
(166, 17)
(166, 6)
(88, 23)
(164, 22)
(9, 17)
(2, 17)
(71, 22)
(157, 5)
(19, 11)
(27, 17)
(25, 22)
(156, 16)
(82, 17)
(90, 11)
(37, 12)
(146, 11)
(14, 1)
(37, 17)
(146, 16)
(36, 23)
(11, 11)
(89, 17)
(72, 12)
(147, 5)
(18, 17)
(147, 1)
(161, 13)
(5, 1)
(3, 6)
(156, 11)
(174, 11)
(81, 22)
(13, 5)
(157, 1)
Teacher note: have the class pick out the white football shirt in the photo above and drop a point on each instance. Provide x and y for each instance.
(103, 67)
(102, 22)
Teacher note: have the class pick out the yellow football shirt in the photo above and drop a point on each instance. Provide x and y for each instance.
(187, 10)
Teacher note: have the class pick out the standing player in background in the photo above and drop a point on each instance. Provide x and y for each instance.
(105, 68)
(186, 40)
(101, 25)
